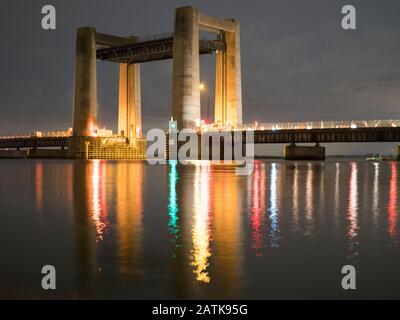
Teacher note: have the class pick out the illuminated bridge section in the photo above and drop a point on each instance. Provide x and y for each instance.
(327, 131)
(152, 48)
(353, 124)
(321, 131)
(294, 132)
(33, 142)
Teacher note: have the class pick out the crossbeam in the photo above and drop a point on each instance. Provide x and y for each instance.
(152, 50)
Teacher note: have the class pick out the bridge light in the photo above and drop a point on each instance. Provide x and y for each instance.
(353, 126)
(201, 87)
(309, 127)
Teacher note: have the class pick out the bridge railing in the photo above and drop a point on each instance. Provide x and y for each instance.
(40, 134)
(352, 124)
(156, 36)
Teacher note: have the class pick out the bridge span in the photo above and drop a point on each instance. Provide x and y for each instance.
(273, 133)
(267, 133)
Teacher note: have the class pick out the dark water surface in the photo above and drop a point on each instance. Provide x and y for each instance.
(131, 230)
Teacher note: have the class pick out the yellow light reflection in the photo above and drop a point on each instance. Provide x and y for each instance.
(98, 197)
(392, 207)
(352, 214)
(295, 221)
(39, 186)
(201, 228)
(309, 199)
(337, 196)
(129, 213)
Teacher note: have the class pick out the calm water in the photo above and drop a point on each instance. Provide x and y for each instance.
(131, 230)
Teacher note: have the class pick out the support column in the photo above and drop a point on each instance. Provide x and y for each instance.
(85, 99)
(220, 88)
(228, 93)
(186, 68)
(129, 108)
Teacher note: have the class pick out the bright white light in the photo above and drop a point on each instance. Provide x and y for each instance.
(353, 126)
(309, 127)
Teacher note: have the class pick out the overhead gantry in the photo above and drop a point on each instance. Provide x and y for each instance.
(184, 46)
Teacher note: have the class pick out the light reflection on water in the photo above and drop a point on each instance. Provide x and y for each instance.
(201, 226)
(201, 231)
(392, 207)
(273, 209)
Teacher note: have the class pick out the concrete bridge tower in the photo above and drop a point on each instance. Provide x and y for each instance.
(186, 68)
(85, 99)
(228, 82)
(129, 107)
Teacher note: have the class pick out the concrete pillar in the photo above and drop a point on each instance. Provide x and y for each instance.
(220, 88)
(186, 68)
(85, 99)
(228, 91)
(129, 108)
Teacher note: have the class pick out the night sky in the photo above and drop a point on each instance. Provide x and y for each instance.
(297, 61)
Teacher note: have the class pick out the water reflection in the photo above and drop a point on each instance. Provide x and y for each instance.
(375, 197)
(201, 231)
(337, 196)
(309, 200)
(102, 189)
(227, 203)
(173, 205)
(98, 196)
(39, 186)
(392, 207)
(352, 212)
(258, 207)
(129, 216)
(295, 204)
(273, 209)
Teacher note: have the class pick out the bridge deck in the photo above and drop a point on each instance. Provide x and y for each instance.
(33, 142)
(329, 135)
(152, 50)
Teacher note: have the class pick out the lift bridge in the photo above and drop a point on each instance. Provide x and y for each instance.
(184, 46)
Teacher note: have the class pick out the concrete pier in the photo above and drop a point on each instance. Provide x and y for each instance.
(129, 109)
(228, 84)
(294, 152)
(85, 99)
(186, 68)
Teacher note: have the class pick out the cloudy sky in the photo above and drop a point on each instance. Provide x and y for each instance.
(297, 61)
